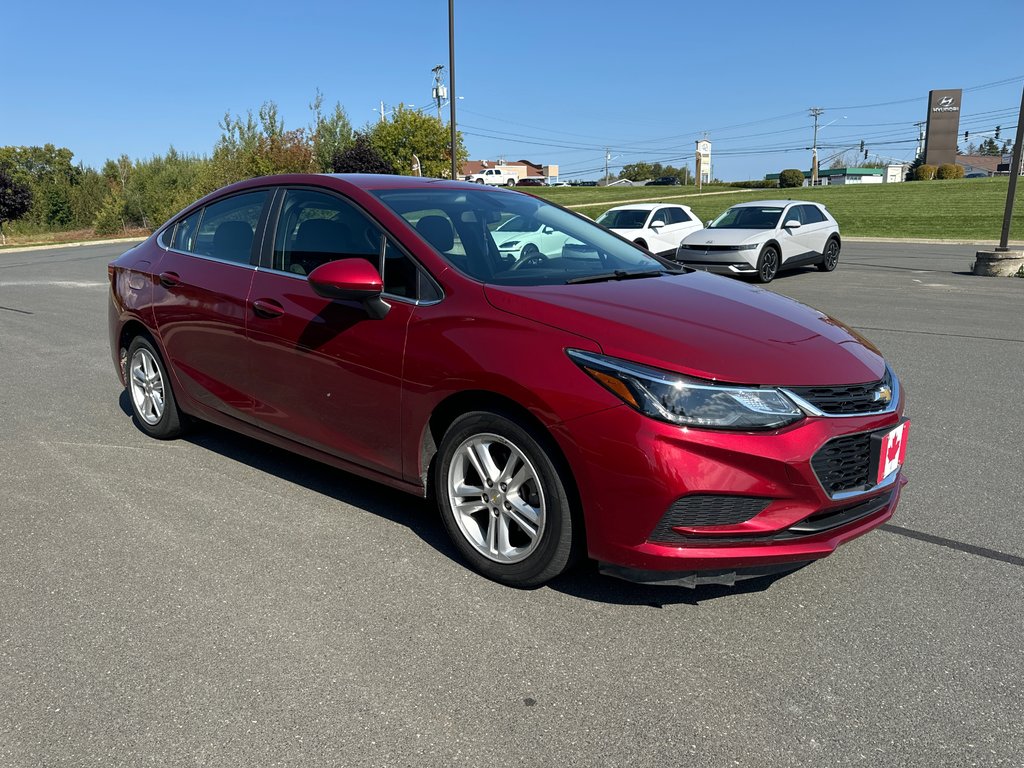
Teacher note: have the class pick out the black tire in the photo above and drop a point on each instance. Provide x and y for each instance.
(554, 546)
(767, 264)
(510, 183)
(641, 243)
(154, 407)
(830, 258)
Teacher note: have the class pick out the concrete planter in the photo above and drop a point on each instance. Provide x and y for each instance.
(998, 263)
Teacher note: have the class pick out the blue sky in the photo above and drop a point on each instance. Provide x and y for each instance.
(554, 82)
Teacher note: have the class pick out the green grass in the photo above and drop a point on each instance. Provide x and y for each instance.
(962, 209)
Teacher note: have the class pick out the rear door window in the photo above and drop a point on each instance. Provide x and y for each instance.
(228, 226)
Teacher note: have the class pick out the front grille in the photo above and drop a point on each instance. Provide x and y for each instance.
(849, 399)
(695, 511)
(843, 464)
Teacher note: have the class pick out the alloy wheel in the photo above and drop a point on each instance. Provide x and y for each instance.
(496, 498)
(147, 386)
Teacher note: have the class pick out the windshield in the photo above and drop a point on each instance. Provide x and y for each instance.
(623, 218)
(479, 232)
(748, 217)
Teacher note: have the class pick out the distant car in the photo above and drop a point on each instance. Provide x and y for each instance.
(663, 181)
(590, 183)
(658, 227)
(524, 238)
(761, 237)
(531, 181)
(976, 175)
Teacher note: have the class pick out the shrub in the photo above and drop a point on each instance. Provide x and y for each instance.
(791, 177)
(924, 172)
(949, 171)
(755, 184)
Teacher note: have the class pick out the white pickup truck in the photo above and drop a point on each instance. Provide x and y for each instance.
(496, 177)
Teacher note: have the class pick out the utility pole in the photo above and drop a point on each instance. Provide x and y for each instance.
(439, 92)
(382, 110)
(816, 112)
(607, 157)
(1011, 191)
(920, 139)
(451, 83)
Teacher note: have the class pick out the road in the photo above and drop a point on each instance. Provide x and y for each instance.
(212, 601)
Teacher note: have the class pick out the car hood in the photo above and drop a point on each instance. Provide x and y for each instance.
(703, 325)
(726, 236)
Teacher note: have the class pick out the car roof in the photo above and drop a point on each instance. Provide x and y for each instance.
(774, 203)
(646, 206)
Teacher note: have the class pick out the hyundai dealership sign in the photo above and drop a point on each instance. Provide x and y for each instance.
(943, 126)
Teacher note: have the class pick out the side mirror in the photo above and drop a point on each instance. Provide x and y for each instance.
(351, 279)
(657, 224)
(708, 223)
(791, 224)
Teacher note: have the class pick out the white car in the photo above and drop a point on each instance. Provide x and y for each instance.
(658, 227)
(521, 238)
(762, 237)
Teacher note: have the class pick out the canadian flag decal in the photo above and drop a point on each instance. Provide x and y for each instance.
(894, 451)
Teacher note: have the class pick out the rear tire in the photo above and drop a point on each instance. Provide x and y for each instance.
(503, 501)
(510, 183)
(831, 256)
(149, 391)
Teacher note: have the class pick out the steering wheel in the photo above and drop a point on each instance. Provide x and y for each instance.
(531, 257)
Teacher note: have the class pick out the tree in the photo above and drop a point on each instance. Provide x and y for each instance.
(409, 133)
(15, 199)
(791, 177)
(360, 156)
(330, 134)
(924, 172)
(989, 147)
(639, 171)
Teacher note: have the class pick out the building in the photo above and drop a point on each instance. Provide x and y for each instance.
(521, 168)
(703, 162)
(978, 164)
(890, 174)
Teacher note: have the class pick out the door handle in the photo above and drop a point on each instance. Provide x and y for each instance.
(267, 308)
(169, 279)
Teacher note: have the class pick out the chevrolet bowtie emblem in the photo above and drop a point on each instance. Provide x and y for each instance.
(882, 395)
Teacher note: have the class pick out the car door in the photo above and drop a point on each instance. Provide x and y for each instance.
(200, 299)
(791, 241)
(663, 238)
(325, 373)
(816, 228)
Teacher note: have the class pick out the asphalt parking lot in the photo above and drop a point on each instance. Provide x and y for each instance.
(212, 601)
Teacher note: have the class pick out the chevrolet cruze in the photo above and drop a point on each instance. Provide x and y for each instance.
(592, 400)
(763, 237)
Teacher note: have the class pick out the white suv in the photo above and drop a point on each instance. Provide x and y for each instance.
(658, 227)
(762, 237)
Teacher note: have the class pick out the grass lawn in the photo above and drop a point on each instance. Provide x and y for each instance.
(961, 209)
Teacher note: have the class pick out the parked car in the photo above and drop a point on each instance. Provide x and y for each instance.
(664, 181)
(495, 177)
(532, 181)
(526, 237)
(658, 227)
(762, 237)
(673, 425)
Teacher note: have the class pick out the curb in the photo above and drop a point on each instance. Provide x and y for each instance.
(24, 248)
(924, 241)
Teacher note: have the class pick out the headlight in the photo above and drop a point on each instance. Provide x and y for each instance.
(509, 244)
(689, 402)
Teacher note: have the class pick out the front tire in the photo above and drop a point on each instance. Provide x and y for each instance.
(503, 501)
(149, 391)
(768, 264)
(830, 259)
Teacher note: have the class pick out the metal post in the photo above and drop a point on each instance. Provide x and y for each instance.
(451, 83)
(1011, 191)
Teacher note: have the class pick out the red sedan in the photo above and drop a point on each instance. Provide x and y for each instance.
(584, 399)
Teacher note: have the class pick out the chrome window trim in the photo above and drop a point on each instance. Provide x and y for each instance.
(812, 410)
(247, 264)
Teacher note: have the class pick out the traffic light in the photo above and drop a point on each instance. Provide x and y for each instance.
(997, 131)
(865, 154)
(966, 134)
(862, 145)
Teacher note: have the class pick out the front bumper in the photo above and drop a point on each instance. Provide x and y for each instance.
(631, 471)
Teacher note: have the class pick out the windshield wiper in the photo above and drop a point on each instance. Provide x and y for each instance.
(618, 274)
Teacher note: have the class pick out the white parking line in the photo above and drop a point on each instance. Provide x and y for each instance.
(52, 284)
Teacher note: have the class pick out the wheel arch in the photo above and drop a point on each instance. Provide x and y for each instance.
(460, 403)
